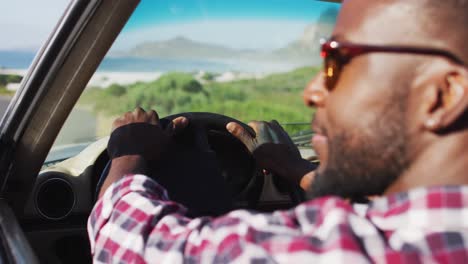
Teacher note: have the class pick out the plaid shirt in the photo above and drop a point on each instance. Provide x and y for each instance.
(135, 222)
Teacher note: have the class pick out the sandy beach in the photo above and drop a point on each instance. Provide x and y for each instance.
(104, 79)
(21, 72)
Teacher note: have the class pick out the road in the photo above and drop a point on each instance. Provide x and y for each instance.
(79, 127)
(4, 101)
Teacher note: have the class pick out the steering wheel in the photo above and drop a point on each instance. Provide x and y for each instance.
(215, 171)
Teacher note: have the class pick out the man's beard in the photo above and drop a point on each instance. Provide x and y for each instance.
(362, 164)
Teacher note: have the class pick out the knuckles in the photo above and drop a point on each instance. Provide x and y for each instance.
(237, 130)
(137, 116)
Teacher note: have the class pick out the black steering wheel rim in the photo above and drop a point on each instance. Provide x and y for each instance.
(202, 122)
(218, 122)
(208, 120)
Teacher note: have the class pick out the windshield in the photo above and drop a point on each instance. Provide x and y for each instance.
(23, 31)
(246, 59)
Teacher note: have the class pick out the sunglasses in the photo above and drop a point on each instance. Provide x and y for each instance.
(336, 54)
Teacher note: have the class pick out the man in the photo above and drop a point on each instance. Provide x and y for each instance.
(391, 121)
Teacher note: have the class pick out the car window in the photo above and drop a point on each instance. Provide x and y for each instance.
(246, 59)
(23, 31)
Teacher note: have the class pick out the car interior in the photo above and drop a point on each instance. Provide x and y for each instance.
(46, 201)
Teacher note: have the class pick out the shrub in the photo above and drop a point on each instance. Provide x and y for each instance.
(116, 90)
(277, 96)
(9, 78)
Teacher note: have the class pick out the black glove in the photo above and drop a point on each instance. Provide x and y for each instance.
(144, 139)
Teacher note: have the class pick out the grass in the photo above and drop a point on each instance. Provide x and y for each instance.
(5, 92)
(277, 96)
(5, 79)
(9, 78)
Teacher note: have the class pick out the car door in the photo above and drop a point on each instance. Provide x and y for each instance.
(53, 83)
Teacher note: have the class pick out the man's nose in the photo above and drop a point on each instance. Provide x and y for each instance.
(315, 93)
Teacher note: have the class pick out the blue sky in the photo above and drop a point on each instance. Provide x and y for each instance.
(25, 24)
(168, 11)
(242, 24)
(259, 24)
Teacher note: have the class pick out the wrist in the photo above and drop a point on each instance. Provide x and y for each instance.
(121, 166)
(128, 164)
(137, 139)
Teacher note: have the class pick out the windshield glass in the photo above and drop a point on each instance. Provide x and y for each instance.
(23, 31)
(246, 59)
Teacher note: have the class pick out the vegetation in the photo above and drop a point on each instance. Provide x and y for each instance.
(5, 92)
(277, 96)
(116, 90)
(5, 79)
(9, 78)
(208, 76)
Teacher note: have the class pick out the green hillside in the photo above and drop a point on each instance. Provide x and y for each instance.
(5, 79)
(277, 96)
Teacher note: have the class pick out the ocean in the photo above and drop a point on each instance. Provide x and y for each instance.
(81, 124)
(22, 60)
(15, 59)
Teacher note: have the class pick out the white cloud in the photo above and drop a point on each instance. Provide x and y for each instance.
(245, 34)
(26, 24)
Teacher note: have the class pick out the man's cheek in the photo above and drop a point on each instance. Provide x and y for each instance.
(340, 123)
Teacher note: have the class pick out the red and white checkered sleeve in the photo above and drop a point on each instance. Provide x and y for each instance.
(135, 222)
(124, 217)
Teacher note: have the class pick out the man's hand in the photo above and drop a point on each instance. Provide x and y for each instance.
(136, 138)
(274, 151)
(139, 133)
(137, 116)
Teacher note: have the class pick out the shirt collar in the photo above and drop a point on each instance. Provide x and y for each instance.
(439, 207)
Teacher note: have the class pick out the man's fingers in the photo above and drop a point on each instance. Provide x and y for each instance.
(117, 123)
(138, 111)
(178, 124)
(127, 116)
(153, 117)
(239, 132)
(253, 123)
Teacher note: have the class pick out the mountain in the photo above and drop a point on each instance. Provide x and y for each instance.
(184, 48)
(307, 47)
(305, 50)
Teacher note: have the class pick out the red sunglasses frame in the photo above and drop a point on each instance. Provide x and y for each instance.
(336, 54)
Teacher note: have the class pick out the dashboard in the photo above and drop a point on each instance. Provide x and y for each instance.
(64, 194)
(56, 213)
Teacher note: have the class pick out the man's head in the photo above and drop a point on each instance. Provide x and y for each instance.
(387, 110)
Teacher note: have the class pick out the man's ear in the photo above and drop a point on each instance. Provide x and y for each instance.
(446, 102)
